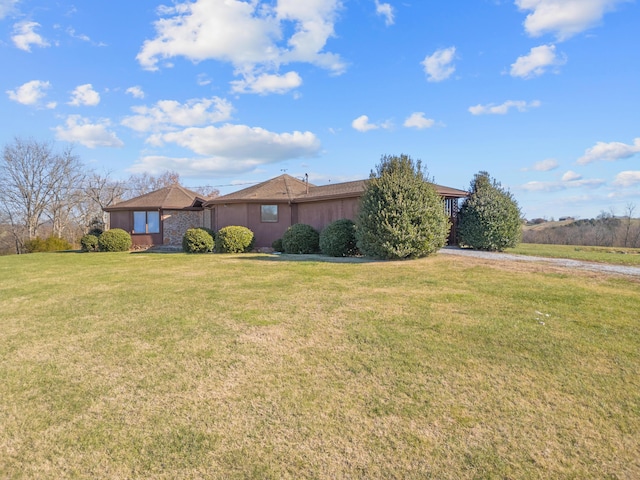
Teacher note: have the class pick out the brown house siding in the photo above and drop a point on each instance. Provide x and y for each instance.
(321, 214)
(248, 215)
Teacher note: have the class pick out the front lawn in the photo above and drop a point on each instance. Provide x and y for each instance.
(255, 366)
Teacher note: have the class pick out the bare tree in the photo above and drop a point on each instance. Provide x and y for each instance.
(142, 183)
(34, 185)
(99, 192)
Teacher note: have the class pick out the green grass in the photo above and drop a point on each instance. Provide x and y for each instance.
(250, 366)
(613, 255)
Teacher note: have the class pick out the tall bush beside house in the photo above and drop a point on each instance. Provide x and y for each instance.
(301, 238)
(197, 240)
(114, 240)
(489, 217)
(401, 214)
(234, 239)
(338, 239)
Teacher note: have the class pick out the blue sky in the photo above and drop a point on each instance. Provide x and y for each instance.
(542, 94)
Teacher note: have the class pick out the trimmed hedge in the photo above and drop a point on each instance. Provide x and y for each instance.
(234, 239)
(197, 240)
(114, 240)
(89, 243)
(300, 239)
(338, 239)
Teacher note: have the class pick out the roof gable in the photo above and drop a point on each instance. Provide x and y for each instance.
(174, 197)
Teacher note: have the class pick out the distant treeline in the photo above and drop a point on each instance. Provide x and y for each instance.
(606, 230)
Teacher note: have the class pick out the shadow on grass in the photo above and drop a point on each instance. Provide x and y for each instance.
(287, 257)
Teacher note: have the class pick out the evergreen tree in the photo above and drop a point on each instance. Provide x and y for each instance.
(489, 218)
(401, 214)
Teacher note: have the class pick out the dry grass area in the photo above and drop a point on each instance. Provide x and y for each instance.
(164, 366)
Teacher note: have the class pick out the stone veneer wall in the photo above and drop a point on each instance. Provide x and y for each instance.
(176, 222)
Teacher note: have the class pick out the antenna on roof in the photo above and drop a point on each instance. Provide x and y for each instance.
(283, 170)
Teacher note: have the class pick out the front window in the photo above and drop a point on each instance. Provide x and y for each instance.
(269, 213)
(146, 222)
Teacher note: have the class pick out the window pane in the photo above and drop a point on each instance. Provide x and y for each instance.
(153, 222)
(269, 213)
(139, 222)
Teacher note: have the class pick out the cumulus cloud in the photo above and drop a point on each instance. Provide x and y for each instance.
(385, 10)
(135, 92)
(419, 121)
(84, 95)
(170, 114)
(80, 130)
(362, 124)
(30, 93)
(545, 165)
(271, 35)
(628, 178)
(536, 62)
(267, 83)
(438, 66)
(231, 149)
(564, 18)
(492, 109)
(609, 152)
(24, 36)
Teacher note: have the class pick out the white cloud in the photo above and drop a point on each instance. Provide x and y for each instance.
(267, 83)
(609, 152)
(169, 114)
(565, 18)
(385, 10)
(545, 165)
(79, 130)
(362, 124)
(6, 6)
(564, 184)
(628, 178)
(438, 66)
(231, 149)
(84, 95)
(24, 36)
(492, 109)
(570, 176)
(135, 92)
(536, 62)
(291, 31)
(419, 121)
(30, 93)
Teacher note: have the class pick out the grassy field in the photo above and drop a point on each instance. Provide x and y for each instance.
(165, 366)
(613, 255)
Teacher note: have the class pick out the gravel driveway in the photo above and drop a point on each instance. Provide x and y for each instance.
(561, 262)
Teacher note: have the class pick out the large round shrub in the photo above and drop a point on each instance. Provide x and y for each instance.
(234, 239)
(89, 243)
(338, 239)
(114, 240)
(489, 218)
(197, 240)
(401, 214)
(301, 238)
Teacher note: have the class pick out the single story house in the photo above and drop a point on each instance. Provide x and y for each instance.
(267, 209)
